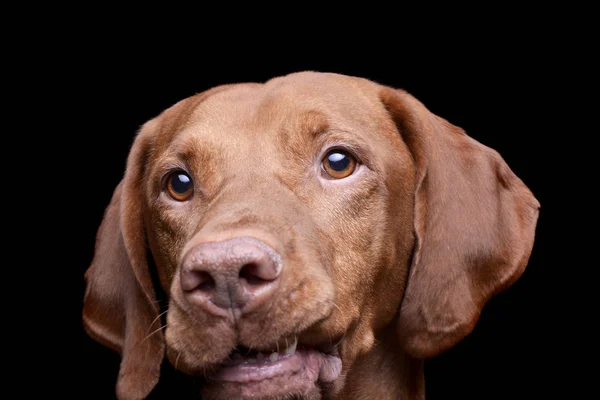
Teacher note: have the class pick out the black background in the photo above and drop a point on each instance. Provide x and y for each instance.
(493, 91)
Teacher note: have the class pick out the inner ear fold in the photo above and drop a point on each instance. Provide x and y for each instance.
(474, 227)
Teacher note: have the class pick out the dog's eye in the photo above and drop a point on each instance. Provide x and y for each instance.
(180, 186)
(338, 164)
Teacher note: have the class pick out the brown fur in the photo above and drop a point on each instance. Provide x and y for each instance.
(395, 262)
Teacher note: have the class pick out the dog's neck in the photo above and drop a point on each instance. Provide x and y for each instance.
(386, 372)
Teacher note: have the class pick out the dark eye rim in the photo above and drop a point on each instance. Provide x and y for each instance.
(180, 197)
(340, 149)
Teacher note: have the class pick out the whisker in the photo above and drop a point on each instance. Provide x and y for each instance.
(156, 331)
(177, 359)
(341, 339)
(290, 225)
(336, 306)
(155, 319)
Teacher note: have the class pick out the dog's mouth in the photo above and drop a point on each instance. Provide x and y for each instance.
(295, 369)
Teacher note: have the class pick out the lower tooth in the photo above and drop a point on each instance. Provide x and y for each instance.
(274, 356)
(292, 349)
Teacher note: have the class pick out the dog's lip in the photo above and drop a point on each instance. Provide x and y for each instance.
(321, 366)
(296, 370)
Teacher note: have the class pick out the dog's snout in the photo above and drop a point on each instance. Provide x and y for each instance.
(237, 273)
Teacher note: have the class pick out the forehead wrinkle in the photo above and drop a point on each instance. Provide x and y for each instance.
(304, 125)
(315, 123)
(307, 132)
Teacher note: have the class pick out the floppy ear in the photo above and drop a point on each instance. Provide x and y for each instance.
(120, 310)
(474, 226)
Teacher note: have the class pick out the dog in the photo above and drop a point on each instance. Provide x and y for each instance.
(317, 236)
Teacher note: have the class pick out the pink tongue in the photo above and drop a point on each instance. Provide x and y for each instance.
(305, 366)
(329, 368)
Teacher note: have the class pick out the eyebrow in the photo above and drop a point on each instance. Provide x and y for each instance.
(314, 122)
(321, 131)
(185, 152)
(194, 153)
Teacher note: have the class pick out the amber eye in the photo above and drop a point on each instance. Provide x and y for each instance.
(180, 186)
(339, 164)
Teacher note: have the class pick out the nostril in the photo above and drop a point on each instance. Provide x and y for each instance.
(251, 273)
(207, 282)
(199, 280)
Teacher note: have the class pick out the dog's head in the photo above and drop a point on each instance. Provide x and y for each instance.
(293, 222)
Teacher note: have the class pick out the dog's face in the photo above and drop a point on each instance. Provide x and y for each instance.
(327, 184)
(283, 220)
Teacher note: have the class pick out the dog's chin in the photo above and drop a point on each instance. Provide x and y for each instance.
(296, 372)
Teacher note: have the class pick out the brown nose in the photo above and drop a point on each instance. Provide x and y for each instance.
(238, 273)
